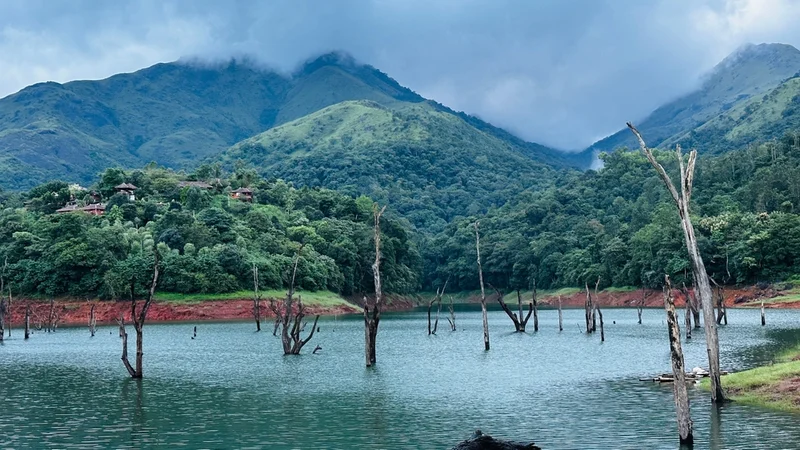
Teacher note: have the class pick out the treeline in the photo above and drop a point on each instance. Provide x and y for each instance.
(618, 224)
(209, 241)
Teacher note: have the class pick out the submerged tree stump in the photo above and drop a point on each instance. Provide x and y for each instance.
(480, 441)
(763, 317)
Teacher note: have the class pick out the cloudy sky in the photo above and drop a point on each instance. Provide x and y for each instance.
(558, 72)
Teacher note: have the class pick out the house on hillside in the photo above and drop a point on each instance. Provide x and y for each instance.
(68, 208)
(195, 184)
(127, 189)
(95, 209)
(243, 194)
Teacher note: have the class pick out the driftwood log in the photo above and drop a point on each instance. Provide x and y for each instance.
(682, 202)
(480, 441)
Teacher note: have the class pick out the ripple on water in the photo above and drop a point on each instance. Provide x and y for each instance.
(231, 387)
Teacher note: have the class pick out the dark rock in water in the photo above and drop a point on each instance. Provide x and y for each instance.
(480, 441)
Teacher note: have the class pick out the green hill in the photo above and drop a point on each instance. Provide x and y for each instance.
(174, 114)
(429, 164)
(177, 114)
(742, 77)
(761, 118)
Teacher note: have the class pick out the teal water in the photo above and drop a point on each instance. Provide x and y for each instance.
(232, 387)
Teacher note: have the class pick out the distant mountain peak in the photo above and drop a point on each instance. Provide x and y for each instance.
(334, 58)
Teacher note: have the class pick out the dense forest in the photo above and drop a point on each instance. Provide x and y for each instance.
(619, 224)
(209, 240)
(616, 223)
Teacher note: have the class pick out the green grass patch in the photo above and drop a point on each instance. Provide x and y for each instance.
(776, 386)
(316, 298)
(789, 297)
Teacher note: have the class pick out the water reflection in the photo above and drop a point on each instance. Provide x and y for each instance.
(231, 387)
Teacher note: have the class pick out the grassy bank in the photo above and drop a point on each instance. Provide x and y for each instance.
(776, 386)
(315, 298)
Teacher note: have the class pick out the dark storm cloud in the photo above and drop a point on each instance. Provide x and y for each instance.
(563, 73)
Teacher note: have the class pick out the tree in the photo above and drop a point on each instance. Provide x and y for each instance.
(372, 319)
(138, 317)
(483, 292)
(291, 319)
(682, 201)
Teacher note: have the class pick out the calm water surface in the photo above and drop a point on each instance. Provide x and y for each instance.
(232, 387)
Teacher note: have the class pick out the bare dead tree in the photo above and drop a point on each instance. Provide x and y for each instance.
(688, 320)
(763, 317)
(682, 202)
(519, 326)
(452, 318)
(483, 291)
(138, 317)
(289, 318)
(587, 307)
(27, 320)
(678, 371)
(594, 310)
(560, 316)
(642, 302)
(602, 332)
(8, 321)
(256, 299)
(52, 316)
(3, 312)
(535, 306)
(4, 306)
(436, 299)
(92, 320)
(372, 319)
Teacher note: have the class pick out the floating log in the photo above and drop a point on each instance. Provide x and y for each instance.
(480, 441)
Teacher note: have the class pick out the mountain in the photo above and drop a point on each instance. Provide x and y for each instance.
(430, 164)
(177, 114)
(748, 74)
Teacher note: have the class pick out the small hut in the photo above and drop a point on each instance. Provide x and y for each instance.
(243, 194)
(127, 189)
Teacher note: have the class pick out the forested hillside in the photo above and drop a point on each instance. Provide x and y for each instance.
(619, 224)
(742, 79)
(429, 165)
(176, 114)
(209, 241)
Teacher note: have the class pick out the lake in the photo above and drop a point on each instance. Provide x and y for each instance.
(232, 388)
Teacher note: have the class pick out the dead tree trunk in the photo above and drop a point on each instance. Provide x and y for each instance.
(27, 321)
(518, 325)
(678, 371)
(138, 317)
(722, 313)
(594, 310)
(372, 318)
(51, 316)
(763, 317)
(587, 305)
(3, 312)
(8, 316)
(682, 201)
(483, 291)
(92, 320)
(602, 332)
(535, 311)
(289, 319)
(560, 316)
(452, 318)
(688, 320)
(256, 299)
(4, 307)
(436, 298)
(640, 307)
